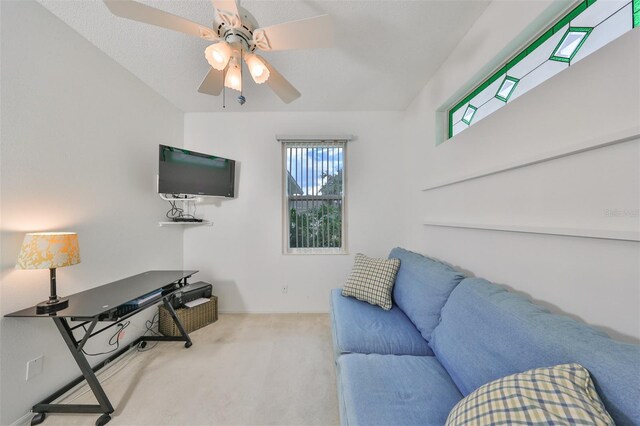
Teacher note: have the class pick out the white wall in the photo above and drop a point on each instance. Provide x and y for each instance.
(63, 101)
(597, 99)
(242, 253)
(78, 152)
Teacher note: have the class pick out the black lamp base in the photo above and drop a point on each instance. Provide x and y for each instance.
(50, 306)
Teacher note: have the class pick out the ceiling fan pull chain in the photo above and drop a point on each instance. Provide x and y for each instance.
(241, 98)
(235, 28)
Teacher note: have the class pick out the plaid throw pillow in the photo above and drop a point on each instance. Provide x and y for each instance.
(372, 280)
(563, 394)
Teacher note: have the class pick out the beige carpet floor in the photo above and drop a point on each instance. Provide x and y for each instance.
(257, 369)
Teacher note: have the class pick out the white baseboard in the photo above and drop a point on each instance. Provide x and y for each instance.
(24, 420)
(273, 312)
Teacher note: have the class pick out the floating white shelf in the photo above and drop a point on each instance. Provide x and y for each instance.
(604, 234)
(627, 135)
(203, 223)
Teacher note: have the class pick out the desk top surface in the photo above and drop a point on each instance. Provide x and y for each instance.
(102, 299)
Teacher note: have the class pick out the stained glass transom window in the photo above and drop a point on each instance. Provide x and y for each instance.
(585, 29)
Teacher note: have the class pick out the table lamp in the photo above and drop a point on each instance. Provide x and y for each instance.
(49, 250)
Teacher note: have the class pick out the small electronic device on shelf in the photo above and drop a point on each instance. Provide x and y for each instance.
(185, 219)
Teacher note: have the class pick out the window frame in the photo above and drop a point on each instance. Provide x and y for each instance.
(325, 141)
(503, 71)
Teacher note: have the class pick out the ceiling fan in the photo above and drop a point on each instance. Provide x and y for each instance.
(236, 36)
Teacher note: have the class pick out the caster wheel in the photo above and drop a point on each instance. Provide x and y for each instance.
(103, 420)
(38, 418)
(188, 344)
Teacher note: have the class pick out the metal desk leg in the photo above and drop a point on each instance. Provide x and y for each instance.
(184, 336)
(104, 405)
(184, 333)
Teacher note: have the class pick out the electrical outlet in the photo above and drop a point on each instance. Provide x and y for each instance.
(285, 289)
(34, 367)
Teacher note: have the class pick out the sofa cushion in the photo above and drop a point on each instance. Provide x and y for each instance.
(371, 280)
(363, 328)
(563, 394)
(487, 332)
(394, 390)
(422, 288)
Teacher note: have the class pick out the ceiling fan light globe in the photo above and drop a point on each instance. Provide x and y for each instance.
(259, 74)
(257, 68)
(218, 55)
(233, 79)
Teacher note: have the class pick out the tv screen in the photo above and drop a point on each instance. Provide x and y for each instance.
(192, 173)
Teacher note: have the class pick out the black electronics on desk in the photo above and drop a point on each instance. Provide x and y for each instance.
(113, 302)
(134, 305)
(191, 292)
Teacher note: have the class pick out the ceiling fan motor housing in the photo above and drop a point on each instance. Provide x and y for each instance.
(240, 35)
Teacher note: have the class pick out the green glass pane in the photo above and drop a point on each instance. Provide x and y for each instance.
(506, 88)
(451, 112)
(468, 114)
(570, 43)
(544, 37)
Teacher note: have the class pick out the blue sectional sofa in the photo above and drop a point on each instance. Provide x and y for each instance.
(447, 335)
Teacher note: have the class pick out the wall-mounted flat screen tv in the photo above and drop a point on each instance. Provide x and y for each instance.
(193, 173)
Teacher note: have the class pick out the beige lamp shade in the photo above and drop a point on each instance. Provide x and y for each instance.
(47, 250)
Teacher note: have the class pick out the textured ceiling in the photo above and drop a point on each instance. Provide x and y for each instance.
(385, 51)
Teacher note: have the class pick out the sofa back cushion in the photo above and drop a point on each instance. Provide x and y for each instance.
(487, 332)
(422, 288)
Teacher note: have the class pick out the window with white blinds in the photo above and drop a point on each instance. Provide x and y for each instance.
(314, 185)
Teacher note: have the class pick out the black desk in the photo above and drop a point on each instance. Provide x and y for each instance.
(110, 302)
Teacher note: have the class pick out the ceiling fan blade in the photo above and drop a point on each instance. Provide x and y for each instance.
(279, 84)
(212, 83)
(302, 34)
(230, 6)
(149, 15)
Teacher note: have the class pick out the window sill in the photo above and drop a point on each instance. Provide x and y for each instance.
(316, 252)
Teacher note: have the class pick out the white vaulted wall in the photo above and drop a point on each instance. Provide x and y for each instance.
(596, 100)
(79, 140)
(242, 252)
(78, 152)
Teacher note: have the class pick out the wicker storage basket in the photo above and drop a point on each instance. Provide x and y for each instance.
(191, 318)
